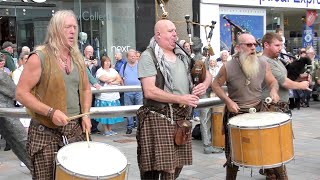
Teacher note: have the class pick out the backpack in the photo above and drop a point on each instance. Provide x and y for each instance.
(196, 132)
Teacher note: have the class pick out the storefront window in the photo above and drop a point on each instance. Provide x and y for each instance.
(108, 24)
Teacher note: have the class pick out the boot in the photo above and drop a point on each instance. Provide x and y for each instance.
(270, 173)
(232, 172)
(150, 175)
(281, 173)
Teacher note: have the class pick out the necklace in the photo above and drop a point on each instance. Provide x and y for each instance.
(66, 64)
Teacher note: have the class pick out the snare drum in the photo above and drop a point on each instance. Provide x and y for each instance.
(99, 161)
(218, 138)
(262, 140)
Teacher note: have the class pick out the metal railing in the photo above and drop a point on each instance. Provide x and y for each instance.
(115, 111)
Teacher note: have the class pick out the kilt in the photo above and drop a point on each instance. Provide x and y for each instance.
(44, 142)
(157, 150)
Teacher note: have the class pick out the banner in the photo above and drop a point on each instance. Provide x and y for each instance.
(307, 37)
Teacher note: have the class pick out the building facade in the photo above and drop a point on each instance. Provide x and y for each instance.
(298, 19)
(107, 25)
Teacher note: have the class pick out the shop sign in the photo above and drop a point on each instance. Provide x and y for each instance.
(36, 1)
(314, 4)
(307, 37)
(86, 15)
(120, 48)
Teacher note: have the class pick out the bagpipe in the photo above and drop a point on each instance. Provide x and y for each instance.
(197, 66)
(297, 66)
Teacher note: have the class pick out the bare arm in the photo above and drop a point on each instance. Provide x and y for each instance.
(289, 84)
(150, 91)
(272, 84)
(107, 79)
(216, 86)
(29, 78)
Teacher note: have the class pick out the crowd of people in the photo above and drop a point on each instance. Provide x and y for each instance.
(168, 98)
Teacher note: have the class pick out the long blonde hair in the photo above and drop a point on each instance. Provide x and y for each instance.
(54, 41)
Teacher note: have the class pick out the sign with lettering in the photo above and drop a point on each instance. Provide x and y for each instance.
(314, 4)
(37, 1)
(307, 37)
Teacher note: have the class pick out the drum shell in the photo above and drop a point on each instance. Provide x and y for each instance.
(218, 137)
(262, 147)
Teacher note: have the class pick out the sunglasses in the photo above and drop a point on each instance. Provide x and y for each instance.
(249, 45)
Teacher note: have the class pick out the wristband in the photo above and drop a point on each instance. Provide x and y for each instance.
(49, 112)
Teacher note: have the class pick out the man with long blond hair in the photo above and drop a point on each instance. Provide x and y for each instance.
(53, 86)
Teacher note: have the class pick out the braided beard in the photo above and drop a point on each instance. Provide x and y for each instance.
(249, 64)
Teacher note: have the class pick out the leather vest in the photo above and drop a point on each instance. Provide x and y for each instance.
(51, 89)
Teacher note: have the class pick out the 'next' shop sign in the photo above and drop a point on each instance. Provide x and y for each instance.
(309, 4)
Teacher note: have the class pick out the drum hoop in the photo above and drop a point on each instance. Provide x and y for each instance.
(88, 176)
(263, 167)
(260, 127)
(92, 177)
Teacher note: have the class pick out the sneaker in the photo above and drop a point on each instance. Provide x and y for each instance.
(113, 133)
(108, 133)
(210, 150)
(22, 164)
(129, 131)
(197, 118)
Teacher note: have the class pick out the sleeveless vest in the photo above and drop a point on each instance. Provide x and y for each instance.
(244, 95)
(51, 89)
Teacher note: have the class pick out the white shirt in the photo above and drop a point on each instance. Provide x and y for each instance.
(107, 96)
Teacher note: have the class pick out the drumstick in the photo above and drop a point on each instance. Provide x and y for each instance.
(78, 116)
(87, 136)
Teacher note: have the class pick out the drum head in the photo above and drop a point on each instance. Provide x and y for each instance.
(97, 160)
(259, 119)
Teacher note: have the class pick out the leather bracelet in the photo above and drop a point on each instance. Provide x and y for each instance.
(52, 113)
(49, 112)
(87, 115)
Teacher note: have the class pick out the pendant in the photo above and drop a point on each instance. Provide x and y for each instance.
(247, 82)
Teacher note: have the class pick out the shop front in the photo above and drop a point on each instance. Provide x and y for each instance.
(107, 25)
(260, 16)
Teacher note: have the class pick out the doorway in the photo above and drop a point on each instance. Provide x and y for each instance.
(7, 29)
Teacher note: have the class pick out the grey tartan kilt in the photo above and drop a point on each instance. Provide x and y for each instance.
(44, 142)
(156, 148)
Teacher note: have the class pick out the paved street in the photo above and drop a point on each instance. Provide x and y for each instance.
(306, 166)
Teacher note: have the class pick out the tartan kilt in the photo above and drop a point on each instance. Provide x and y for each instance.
(157, 150)
(44, 142)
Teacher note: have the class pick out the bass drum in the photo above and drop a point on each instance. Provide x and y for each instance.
(262, 140)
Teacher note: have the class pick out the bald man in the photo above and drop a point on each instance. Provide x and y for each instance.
(244, 76)
(169, 96)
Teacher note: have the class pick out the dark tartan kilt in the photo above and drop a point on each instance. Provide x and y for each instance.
(262, 107)
(156, 148)
(44, 142)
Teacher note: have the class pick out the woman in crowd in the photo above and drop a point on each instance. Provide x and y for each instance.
(109, 77)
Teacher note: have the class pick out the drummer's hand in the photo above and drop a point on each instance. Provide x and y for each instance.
(199, 90)
(232, 106)
(274, 96)
(86, 124)
(59, 118)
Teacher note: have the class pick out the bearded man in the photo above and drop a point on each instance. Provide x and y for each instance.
(272, 45)
(244, 76)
